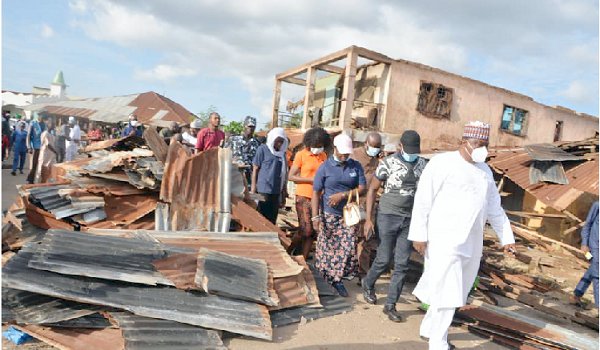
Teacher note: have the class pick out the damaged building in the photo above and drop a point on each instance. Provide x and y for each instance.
(392, 95)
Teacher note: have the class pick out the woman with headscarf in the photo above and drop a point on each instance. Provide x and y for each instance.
(269, 173)
(47, 151)
(337, 178)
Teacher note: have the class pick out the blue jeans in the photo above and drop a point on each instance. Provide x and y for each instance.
(394, 244)
(19, 159)
(590, 276)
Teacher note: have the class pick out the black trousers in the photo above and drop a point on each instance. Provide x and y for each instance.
(34, 165)
(269, 208)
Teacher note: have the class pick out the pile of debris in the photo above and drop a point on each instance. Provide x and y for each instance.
(129, 248)
(190, 285)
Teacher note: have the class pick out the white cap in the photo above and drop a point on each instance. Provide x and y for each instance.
(196, 124)
(72, 119)
(135, 123)
(343, 143)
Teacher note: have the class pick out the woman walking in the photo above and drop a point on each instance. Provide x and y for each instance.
(269, 173)
(305, 166)
(335, 180)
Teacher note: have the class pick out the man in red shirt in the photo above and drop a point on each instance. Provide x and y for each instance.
(211, 136)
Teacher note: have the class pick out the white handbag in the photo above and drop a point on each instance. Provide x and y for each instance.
(353, 214)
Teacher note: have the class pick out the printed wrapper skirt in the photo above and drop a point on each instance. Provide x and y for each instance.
(336, 249)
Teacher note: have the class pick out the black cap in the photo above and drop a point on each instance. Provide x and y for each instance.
(411, 142)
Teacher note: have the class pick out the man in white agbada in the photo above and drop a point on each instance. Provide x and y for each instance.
(455, 197)
(74, 138)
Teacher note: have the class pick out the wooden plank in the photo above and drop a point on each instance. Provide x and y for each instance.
(348, 90)
(331, 68)
(276, 101)
(296, 81)
(332, 57)
(528, 214)
(253, 220)
(234, 276)
(76, 339)
(156, 143)
(309, 91)
(575, 251)
(372, 55)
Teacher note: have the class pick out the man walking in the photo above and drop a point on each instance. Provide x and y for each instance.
(589, 244)
(33, 144)
(211, 136)
(368, 157)
(455, 198)
(62, 136)
(400, 172)
(72, 143)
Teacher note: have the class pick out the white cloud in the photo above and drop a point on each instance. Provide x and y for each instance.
(253, 40)
(579, 92)
(47, 31)
(164, 72)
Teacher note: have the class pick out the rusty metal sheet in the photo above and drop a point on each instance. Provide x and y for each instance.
(236, 316)
(106, 163)
(43, 219)
(192, 180)
(149, 103)
(76, 339)
(156, 143)
(548, 152)
(112, 258)
(146, 333)
(124, 210)
(547, 171)
(179, 269)
(32, 308)
(253, 220)
(234, 276)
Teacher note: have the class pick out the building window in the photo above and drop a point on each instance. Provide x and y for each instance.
(514, 120)
(435, 100)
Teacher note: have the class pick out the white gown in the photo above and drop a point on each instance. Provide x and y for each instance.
(71, 146)
(454, 199)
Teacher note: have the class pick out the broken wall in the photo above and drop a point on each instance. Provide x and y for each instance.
(472, 100)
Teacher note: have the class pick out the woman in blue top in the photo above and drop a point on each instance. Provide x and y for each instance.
(337, 177)
(19, 143)
(269, 173)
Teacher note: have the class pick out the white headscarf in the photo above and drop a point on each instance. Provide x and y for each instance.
(271, 137)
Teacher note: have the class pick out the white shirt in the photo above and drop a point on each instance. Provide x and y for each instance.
(75, 135)
(453, 201)
(187, 137)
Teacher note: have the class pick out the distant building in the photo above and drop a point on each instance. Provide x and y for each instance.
(14, 101)
(391, 96)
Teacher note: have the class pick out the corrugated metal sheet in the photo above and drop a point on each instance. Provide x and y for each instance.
(33, 308)
(582, 177)
(76, 339)
(214, 312)
(547, 171)
(297, 290)
(111, 258)
(93, 321)
(234, 276)
(150, 108)
(546, 151)
(331, 306)
(251, 219)
(145, 333)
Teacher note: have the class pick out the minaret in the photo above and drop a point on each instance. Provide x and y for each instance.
(58, 87)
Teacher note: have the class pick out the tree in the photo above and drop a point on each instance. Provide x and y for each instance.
(204, 115)
(234, 128)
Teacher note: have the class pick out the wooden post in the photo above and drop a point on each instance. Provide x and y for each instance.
(276, 98)
(309, 92)
(348, 93)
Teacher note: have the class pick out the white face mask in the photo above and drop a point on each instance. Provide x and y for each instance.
(316, 150)
(373, 151)
(479, 154)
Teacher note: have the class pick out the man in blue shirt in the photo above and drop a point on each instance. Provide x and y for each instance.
(589, 244)
(34, 142)
(19, 142)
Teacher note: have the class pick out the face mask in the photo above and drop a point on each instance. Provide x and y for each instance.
(479, 154)
(409, 157)
(316, 150)
(339, 161)
(373, 151)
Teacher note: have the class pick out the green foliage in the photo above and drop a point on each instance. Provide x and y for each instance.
(234, 128)
(296, 121)
(203, 115)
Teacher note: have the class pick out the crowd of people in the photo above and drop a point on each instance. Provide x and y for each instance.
(438, 207)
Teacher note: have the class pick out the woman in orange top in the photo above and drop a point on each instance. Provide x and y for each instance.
(302, 173)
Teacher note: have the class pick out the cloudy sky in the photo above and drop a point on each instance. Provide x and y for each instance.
(226, 53)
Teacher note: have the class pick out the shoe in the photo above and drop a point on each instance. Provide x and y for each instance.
(368, 294)
(392, 314)
(21, 172)
(13, 173)
(339, 287)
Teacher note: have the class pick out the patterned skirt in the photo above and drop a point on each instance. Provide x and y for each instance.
(335, 257)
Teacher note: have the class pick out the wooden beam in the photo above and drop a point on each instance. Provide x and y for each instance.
(276, 99)
(293, 80)
(348, 90)
(331, 69)
(309, 92)
(372, 55)
(336, 56)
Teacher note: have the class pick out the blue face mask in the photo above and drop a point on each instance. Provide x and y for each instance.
(373, 151)
(409, 157)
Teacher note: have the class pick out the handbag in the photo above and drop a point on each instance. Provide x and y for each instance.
(353, 214)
